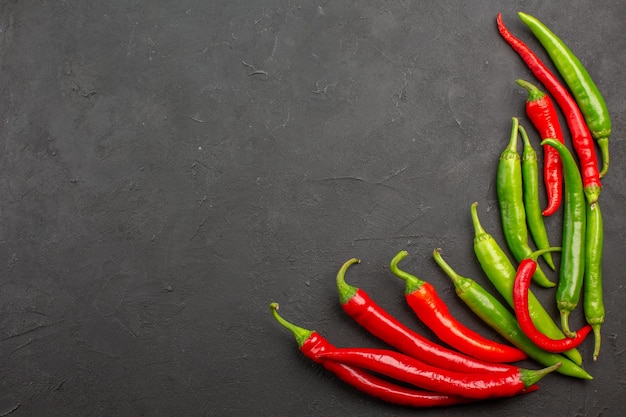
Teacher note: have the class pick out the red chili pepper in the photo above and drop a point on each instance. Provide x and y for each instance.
(413, 371)
(312, 345)
(525, 271)
(581, 136)
(358, 305)
(544, 116)
(423, 299)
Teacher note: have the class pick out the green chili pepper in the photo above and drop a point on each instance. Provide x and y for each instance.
(499, 318)
(501, 272)
(592, 299)
(530, 181)
(511, 201)
(584, 90)
(571, 273)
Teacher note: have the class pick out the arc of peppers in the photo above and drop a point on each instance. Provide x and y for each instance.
(587, 116)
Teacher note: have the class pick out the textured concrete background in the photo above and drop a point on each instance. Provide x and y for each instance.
(169, 168)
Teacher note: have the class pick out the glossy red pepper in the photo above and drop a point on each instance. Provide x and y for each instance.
(423, 299)
(312, 344)
(544, 116)
(407, 369)
(371, 316)
(581, 136)
(525, 271)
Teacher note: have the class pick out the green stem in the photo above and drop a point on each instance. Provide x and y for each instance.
(597, 339)
(346, 291)
(534, 93)
(479, 232)
(565, 321)
(603, 144)
(460, 282)
(530, 377)
(413, 283)
(540, 252)
(511, 149)
(301, 334)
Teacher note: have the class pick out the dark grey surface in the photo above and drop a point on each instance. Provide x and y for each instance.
(170, 168)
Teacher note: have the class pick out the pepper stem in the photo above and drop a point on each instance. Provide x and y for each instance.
(603, 144)
(512, 146)
(346, 291)
(536, 254)
(479, 232)
(413, 283)
(528, 147)
(530, 377)
(565, 323)
(301, 334)
(460, 282)
(597, 340)
(534, 93)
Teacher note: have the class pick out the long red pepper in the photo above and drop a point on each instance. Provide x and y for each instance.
(581, 136)
(525, 271)
(423, 299)
(544, 116)
(413, 371)
(371, 316)
(312, 344)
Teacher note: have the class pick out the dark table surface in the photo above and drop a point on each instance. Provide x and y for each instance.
(169, 168)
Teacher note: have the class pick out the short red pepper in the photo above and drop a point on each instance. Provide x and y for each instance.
(544, 116)
(423, 299)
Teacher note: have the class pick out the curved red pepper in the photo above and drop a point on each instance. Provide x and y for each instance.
(371, 316)
(581, 136)
(524, 274)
